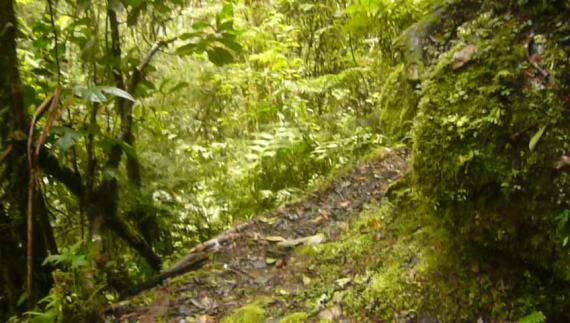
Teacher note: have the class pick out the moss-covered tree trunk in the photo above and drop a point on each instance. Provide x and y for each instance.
(14, 182)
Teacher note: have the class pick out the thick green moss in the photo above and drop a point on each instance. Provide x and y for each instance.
(295, 318)
(473, 162)
(247, 314)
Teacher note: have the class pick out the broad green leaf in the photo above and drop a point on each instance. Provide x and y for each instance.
(227, 12)
(68, 139)
(534, 140)
(92, 94)
(231, 44)
(117, 92)
(200, 25)
(186, 49)
(186, 36)
(220, 56)
(178, 87)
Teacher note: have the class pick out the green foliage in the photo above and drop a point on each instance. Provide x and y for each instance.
(295, 318)
(246, 314)
(96, 94)
(218, 40)
(256, 133)
(534, 317)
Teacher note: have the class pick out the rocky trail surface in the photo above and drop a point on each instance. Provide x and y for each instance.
(255, 261)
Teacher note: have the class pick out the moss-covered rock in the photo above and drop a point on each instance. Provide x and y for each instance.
(490, 127)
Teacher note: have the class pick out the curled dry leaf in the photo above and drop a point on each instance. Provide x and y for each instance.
(463, 56)
(342, 282)
(275, 239)
(308, 241)
(281, 263)
(345, 204)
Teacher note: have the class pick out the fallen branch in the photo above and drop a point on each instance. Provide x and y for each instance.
(194, 260)
(217, 241)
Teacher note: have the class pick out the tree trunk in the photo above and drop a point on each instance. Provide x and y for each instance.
(15, 186)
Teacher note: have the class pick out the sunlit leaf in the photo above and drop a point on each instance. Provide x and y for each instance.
(117, 92)
(534, 140)
(227, 12)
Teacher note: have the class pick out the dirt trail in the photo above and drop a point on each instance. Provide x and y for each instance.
(254, 259)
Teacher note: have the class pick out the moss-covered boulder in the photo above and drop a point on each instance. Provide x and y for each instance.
(492, 133)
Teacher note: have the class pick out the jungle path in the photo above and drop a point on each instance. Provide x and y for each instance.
(255, 260)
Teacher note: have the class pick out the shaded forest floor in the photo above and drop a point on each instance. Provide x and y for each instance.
(264, 264)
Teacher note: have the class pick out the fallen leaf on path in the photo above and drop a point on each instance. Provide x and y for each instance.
(275, 239)
(345, 203)
(342, 282)
(308, 241)
(267, 220)
(324, 213)
(206, 303)
(281, 263)
(323, 216)
(283, 292)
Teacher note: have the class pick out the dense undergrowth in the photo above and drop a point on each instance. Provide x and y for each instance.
(255, 134)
